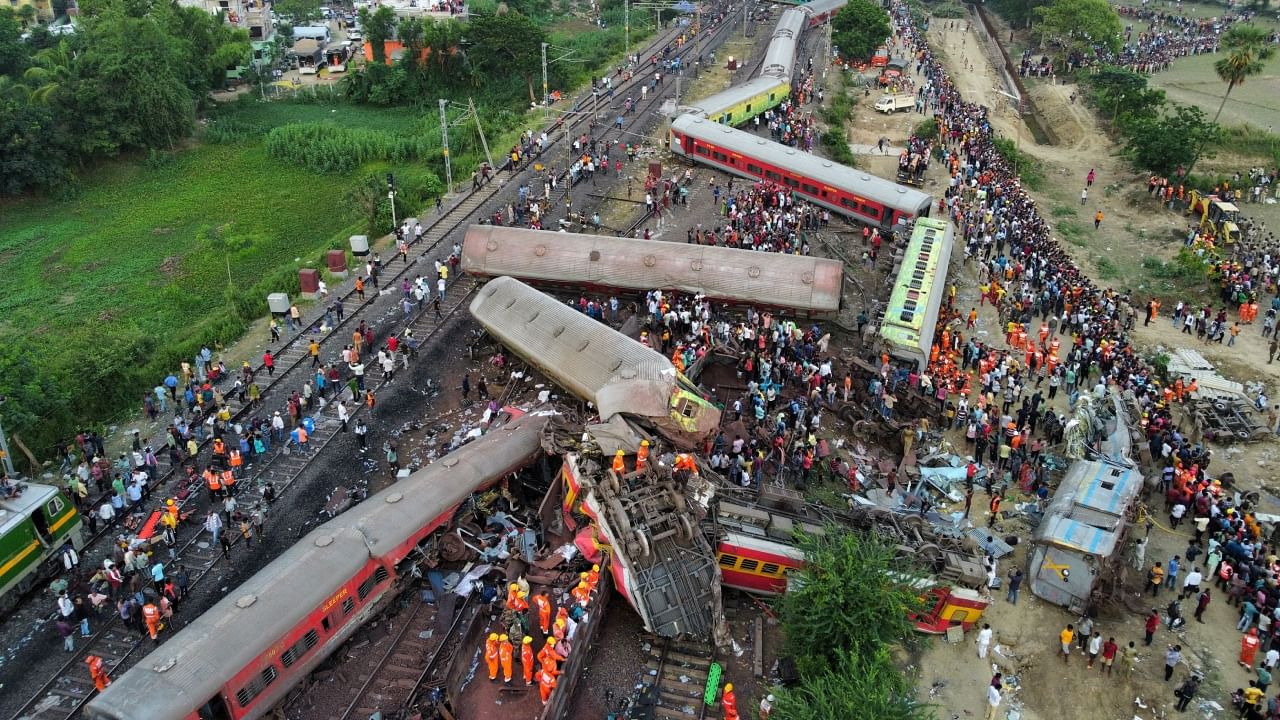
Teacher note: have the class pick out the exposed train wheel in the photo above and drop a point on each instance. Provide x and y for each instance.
(930, 552)
(641, 543)
(618, 517)
(685, 532)
(612, 483)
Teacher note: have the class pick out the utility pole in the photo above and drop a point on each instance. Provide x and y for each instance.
(480, 129)
(546, 106)
(391, 195)
(626, 28)
(444, 144)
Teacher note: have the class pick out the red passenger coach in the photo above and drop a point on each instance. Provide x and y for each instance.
(866, 198)
(243, 655)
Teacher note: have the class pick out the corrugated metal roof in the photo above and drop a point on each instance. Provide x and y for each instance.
(1072, 535)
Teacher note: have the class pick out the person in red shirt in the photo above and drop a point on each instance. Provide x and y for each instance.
(1109, 649)
(1153, 622)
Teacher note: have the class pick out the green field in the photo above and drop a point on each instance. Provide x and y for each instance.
(110, 287)
(1192, 81)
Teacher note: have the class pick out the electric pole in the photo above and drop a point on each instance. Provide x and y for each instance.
(444, 144)
(626, 28)
(546, 106)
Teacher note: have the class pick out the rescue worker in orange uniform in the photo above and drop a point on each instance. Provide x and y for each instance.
(151, 615)
(543, 604)
(491, 655)
(582, 591)
(546, 683)
(236, 460)
(642, 456)
(548, 658)
(729, 702)
(559, 629)
(214, 483)
(526, 659)
(228, 482)
(619, 462)
(98, 672)
(685, 461)
(505, 654)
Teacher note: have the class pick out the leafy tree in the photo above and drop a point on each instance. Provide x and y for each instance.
(857, 686)
(127, 91)
(1165, 142)
(859, 28)
(379, 27)
(410, 32)
(204, 46)
(1078, 25)
(34, 153)
(1120, 91)
(14, 54)
(510, 42)
(300, 12)
(851, 596)
(27, 14)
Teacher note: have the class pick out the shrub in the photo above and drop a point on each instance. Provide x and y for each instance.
(329, 149)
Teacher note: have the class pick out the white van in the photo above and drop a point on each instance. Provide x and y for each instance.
(319, 33)
(894, 103)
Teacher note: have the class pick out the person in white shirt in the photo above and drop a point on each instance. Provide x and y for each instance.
(984, 640)
(1191, 585)
(993, 701)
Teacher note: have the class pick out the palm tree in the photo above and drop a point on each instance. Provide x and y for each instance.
(51, 70)
(1247, 52)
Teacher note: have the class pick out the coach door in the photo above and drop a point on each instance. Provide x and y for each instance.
(215, 709)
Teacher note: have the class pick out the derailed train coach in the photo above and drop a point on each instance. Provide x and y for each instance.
(853, 193)
(243, 655)
(594, 362)
(797, 285)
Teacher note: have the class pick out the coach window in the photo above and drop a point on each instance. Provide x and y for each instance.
(727, 560)
(215, 709)
(772, 175)
(755, 169)
(701, 150)
(871, 211)
(748, 107)
(750, 565)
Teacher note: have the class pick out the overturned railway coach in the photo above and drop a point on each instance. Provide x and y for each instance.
(853, 193)
(798, 285)
(243, 655)
(594, 362)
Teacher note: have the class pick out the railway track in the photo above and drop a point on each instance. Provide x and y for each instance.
(292, 355)
(677, 678)
(68, 688)
(413, 662)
